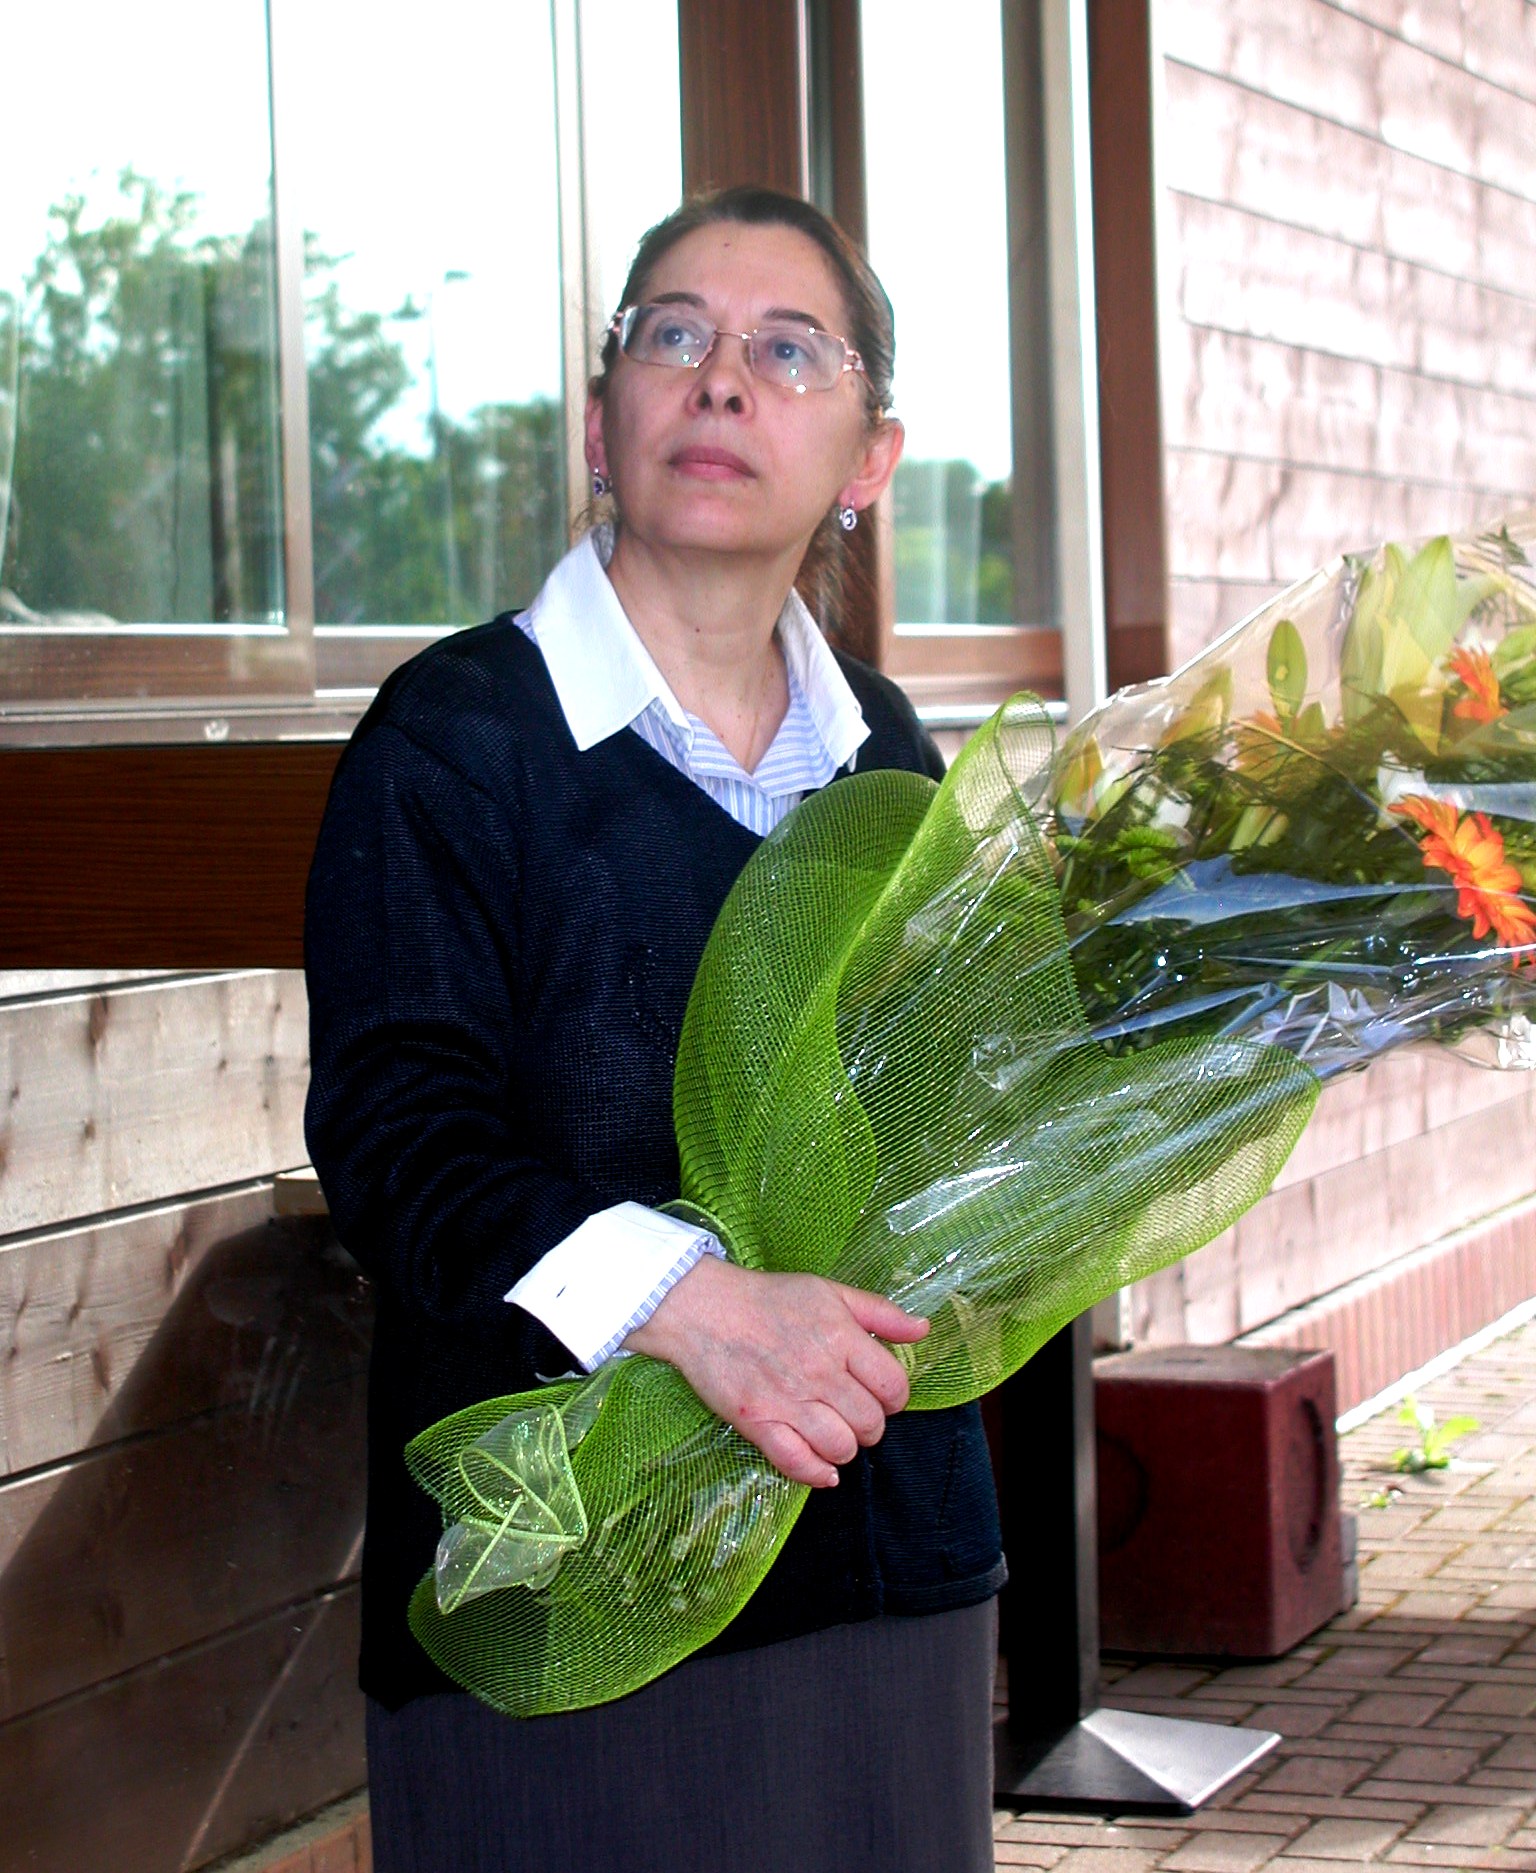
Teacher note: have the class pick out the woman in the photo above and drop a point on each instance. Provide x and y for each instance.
(526, 846)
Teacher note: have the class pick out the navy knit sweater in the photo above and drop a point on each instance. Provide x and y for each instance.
(500, 938)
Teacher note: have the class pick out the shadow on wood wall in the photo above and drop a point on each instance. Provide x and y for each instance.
(178, 1600)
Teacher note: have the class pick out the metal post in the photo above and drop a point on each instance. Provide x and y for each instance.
(1057, 1747)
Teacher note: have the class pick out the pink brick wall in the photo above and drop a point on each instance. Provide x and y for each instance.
(1416, 1149)
(1347, 215)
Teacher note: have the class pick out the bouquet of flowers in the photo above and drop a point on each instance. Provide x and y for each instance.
(1322, 831)
(999, 1047)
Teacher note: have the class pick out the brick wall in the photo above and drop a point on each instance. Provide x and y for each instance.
(1346, 231)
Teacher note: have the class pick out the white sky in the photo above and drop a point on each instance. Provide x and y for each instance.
(428, 148)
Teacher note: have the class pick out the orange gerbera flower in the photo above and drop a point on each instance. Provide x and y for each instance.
(1482, 702)
(1471, 850)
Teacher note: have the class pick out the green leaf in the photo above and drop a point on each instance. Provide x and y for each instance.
(1408, 614)
(1361, 657)
(1286, 667)
(1513, 649)
(1206, 711)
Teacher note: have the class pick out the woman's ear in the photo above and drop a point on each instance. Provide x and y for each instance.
(592, 423)
(882, 451)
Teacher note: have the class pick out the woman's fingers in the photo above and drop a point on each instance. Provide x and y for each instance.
(857, 1403)
(788, 1452)
(881, 1374)
(788, 1359)
(875, 1314)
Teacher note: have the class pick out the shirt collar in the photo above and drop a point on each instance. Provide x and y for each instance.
(604, 677)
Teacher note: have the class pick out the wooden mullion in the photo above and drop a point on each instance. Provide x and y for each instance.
(743, 93)
(1125, 281)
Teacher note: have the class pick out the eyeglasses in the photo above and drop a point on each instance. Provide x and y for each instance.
(784, 352)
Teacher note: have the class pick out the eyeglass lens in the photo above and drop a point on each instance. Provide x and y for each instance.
(795, 357)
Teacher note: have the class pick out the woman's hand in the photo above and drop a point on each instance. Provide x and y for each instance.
(787, 1359)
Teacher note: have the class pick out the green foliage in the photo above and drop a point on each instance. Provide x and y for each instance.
(1287, 668)
(953, 545)
(1433, 1449)
(1407, 616)
(146, 473)
(147, 477)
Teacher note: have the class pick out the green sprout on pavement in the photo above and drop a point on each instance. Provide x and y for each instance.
(1433, 1450)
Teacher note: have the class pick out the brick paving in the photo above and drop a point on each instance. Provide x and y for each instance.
(1408, 1725)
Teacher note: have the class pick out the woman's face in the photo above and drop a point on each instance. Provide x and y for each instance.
(716, 458)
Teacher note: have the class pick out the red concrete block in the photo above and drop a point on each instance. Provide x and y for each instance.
(1218, 1499)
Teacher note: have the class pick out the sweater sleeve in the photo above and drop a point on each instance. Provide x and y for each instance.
(412, 1119)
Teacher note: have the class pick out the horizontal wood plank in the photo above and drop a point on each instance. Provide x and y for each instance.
(132, 1324)
(136, 1094)
(188, 856)
(1266, 524)
(145, 1548)
(1495, 39)
(21, 985)
(1415, 1148)
(193, 1757)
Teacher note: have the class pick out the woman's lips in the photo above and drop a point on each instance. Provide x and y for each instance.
(709, 464)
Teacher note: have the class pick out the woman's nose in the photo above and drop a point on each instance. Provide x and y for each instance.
(724, 379)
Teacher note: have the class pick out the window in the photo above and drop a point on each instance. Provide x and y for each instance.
(296, 314)
(140, 487)
(948, 185)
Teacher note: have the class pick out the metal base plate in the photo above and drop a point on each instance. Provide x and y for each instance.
(1123, 1762)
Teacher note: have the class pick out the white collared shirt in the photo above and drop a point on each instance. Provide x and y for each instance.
(606, 681)
(594, 1288)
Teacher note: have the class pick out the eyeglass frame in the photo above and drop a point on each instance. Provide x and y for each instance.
(852, 361)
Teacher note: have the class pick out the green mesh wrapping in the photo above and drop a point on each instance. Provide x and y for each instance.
(885, 1076)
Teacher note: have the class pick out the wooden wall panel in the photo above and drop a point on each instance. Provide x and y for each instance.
(87, 1353)
(1495, 39)
(192, 857)
(1268, 523)
(143, 1549)
(194, 1757)
(1419, 1146)
(1263, 399)
(1245, 273)
(1263, 155)
(126, 1096)
(1324, 60)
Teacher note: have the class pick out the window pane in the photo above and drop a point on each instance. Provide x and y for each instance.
(426, 172)
(629, 51)
(947, 274)
(139, 473)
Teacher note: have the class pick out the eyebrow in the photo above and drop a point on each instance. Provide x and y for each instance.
(773, 312)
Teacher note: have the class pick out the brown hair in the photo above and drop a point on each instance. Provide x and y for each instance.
(824, 575)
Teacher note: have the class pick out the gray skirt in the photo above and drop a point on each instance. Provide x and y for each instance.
(862, 1749)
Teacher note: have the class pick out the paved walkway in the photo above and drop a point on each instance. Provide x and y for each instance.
(1408, 1725)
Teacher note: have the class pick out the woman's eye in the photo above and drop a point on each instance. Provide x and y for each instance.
(789, 351)
(677, 335)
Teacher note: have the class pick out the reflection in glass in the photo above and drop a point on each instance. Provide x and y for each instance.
(426, 158)
(947, 274)
(139, 476)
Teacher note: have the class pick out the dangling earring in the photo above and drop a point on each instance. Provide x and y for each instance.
(600, 484)
(848, 517)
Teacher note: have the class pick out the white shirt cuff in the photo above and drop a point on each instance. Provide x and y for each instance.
(609, 1276)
